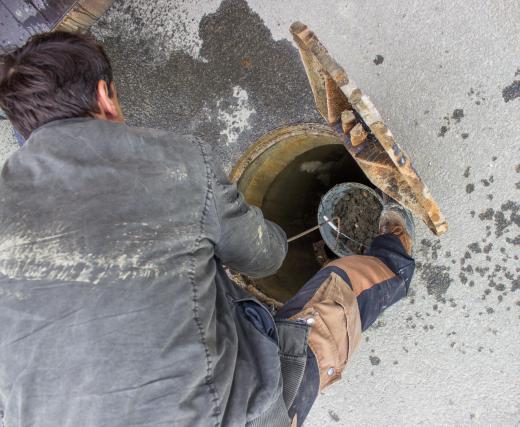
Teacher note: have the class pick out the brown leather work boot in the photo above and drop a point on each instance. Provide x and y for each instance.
(395, 219)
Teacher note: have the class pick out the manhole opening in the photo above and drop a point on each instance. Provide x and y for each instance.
(286, 173)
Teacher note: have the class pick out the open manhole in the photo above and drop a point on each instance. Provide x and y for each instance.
(286, 173)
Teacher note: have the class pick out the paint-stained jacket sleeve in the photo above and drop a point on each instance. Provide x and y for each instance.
(247, 243)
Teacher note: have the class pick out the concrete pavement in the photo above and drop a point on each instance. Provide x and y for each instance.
(445, 75)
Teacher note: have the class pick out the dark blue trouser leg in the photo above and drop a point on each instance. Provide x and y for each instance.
(390, 251)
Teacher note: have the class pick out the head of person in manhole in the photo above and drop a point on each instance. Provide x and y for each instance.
(113, 292)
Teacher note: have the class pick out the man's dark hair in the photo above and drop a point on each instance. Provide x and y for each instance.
(53, 76)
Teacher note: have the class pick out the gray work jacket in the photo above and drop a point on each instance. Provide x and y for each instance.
(114, 306)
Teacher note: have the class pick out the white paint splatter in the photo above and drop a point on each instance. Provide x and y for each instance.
(168, 26)
(57, 256)
(260, 233)
(180, 173)
(235, 117)
(7, 293)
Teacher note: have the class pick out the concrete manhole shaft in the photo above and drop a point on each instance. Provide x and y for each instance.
(286, 173)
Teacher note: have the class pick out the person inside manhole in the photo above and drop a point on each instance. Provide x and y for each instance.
(115, 307)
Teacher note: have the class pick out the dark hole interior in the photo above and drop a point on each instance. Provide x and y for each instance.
(292, 202)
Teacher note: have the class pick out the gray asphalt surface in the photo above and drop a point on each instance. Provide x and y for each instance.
(445, 75)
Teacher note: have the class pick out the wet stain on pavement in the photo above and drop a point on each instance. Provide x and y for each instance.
(333, 416)
(476, 96)
(437, 279)
(512, 91)
(374, 360)
(487, 214)
(515, 241)
(487, 182)
(239, 89)
(478, 265)
(457, 115)
(479, 261)
(378, 60)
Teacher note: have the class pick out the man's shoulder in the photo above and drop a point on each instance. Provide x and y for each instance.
(119, 139)
(148, 133)
(170, 144)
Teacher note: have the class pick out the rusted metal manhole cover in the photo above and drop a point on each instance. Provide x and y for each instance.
(342, 103)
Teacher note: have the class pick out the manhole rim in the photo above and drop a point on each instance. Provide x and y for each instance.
(273, 137)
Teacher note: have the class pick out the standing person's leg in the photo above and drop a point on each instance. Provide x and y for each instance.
(345, 298)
